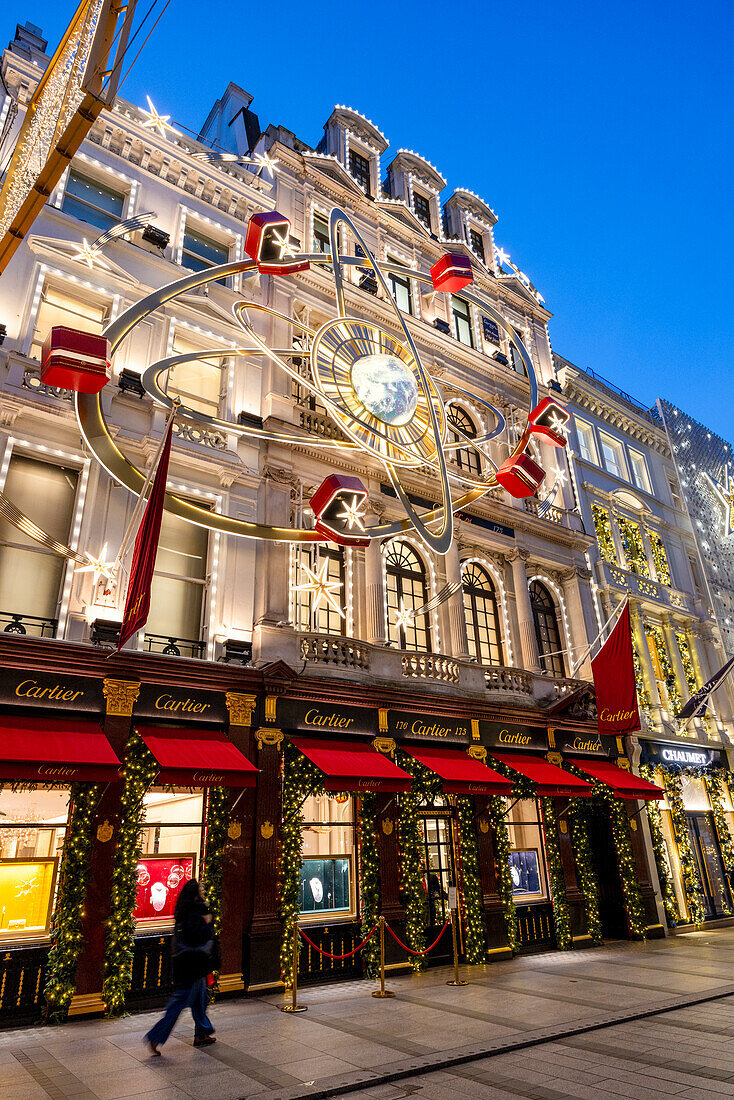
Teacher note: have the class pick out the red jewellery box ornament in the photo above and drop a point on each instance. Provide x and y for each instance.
(452, 272)
(520, 476)
(268, 243)
(75, 360)
(337, 506)
(549, 419)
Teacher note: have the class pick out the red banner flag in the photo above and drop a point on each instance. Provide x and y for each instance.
(137, 604)
(613, 669)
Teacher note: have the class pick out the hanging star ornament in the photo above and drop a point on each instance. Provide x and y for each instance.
(98, 567)
(266, 163)
(282, 241)
(555, 422)
(403, 617)
(353, 515)
(90, 254)
(156, 121)
(724, 492)
(322, 587)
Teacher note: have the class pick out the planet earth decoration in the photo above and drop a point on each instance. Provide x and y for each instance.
(386, 387)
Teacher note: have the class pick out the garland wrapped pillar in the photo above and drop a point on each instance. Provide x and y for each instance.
(476, 948)
(300, 780)
(415, 897)
(66, 936)
(217, 822)
(585, 868)
(369, 881)
(561, 913)
(714, 790)
(689, 871)
(655, 820)
(498, 821)
(626, 860)
(139, 769)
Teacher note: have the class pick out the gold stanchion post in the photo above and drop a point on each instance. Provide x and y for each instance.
(294, 1005)
(382, 992)
(456, 979)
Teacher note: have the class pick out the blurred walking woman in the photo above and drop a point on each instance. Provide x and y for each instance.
(194, 957)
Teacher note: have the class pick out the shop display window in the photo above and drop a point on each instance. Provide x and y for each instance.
(32, 827)
(170, 852)
(527, 860)
(695, 798)
(327, 882)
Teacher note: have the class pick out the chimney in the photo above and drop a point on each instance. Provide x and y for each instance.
(231, 125)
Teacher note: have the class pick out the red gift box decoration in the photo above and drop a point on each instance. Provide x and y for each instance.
(75, 360)
(268, 243)
(336, 505)
(520, 476)
(452, 272)
(548, 419)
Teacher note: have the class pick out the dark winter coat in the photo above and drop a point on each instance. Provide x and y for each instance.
(193, 944)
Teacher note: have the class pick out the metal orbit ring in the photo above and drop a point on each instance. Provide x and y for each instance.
(405, 437)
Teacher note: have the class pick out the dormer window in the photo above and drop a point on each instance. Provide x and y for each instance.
(359, 168)
(476, 240)
(422, 208)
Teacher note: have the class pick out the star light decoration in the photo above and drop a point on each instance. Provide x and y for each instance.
(98, 567)
(283, 243)
(403, 617)
(353, 515)
(156, 121)
(266, 163)
(322, 588)
(724, 492)
(90, 254)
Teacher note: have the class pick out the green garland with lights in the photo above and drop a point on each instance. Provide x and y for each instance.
(655, 819)
(642, 697)
(476, 948)
(561, 913)
(687, 661)
(689, 871)
(585, 867)
(426, 786)
(139, 769)
(633, 546)
(66, 934)
(301, 779)
(498, 821)
(604, 537)
(217, 823)
(369, 881)
(659, 557)
(661, 649)
(712, 782)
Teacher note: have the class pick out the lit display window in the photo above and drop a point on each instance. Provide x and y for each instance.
(32, 827)
(170, 852)
(327, 883)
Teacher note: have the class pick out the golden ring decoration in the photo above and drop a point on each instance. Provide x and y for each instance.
(418, 439)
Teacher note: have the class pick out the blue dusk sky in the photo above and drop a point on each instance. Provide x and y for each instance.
(600, 134)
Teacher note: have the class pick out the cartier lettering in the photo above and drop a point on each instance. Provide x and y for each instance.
(58, 772)
(581, 745)
(187, 706)
(337, 721)
(214, 778)
(515, 738)
(31, 689)
(616, 715)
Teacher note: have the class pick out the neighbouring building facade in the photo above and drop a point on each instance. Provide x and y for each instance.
(324, 733)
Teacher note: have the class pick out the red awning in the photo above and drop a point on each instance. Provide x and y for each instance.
(622, 782)
(549, 779)
(353, 767)
(51, 750)
(197, 758)
(460, 774)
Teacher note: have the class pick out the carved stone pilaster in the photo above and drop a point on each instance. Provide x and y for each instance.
(121, 696)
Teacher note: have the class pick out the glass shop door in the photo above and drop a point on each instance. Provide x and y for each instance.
(439, 874)
(710, 865)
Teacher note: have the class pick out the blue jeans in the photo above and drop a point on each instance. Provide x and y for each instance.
(193, 997)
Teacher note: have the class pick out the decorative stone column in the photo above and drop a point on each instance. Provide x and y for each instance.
(675, 658)
(271, 641)
(455, 606)
(580, 638)
(648, 672)
(374, 594)
(528, 643)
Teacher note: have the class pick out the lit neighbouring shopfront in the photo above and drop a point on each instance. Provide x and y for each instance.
(692, 830)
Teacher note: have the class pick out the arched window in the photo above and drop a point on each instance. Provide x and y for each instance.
(407, 589)
(466, 458)
(482, 616)
(317, 614)
(547, 634)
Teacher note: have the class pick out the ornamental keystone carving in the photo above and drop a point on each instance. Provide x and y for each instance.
(273, 738)
(518, 554)
(240, 708)
(121, 696)
(385, 745)
(477, 752)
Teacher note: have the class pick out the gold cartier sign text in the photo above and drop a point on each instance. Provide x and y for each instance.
(188, 706)
(30, 689)
(337, 721)
(516, 738)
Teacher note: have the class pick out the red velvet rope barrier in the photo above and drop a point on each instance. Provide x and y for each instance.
(408, 949)
(328, 955)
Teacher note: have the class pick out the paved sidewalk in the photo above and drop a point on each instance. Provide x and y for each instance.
(349, 1043)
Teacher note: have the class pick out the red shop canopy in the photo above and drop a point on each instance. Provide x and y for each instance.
(197, 758)
(353, 767)
(549, 779)
(460, 774)
(622, 782)
(55, 751)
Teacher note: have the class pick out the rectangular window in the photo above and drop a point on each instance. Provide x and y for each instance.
(695, 573)
(201, 252)
(587, 446)
(633, 546)
(461, 314)
(170, 851)
(31, 575)
(422, 208)
(91, 201)
(327, 884)
(675, 492)
(178, 589)
(612, 453)
(639, 470)
(527, 857)
(401, 288)
(32, 827)
(198, 383)
(359, 169)
(319, 616)
(477, 244)
(321, 239)
(60, 307)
